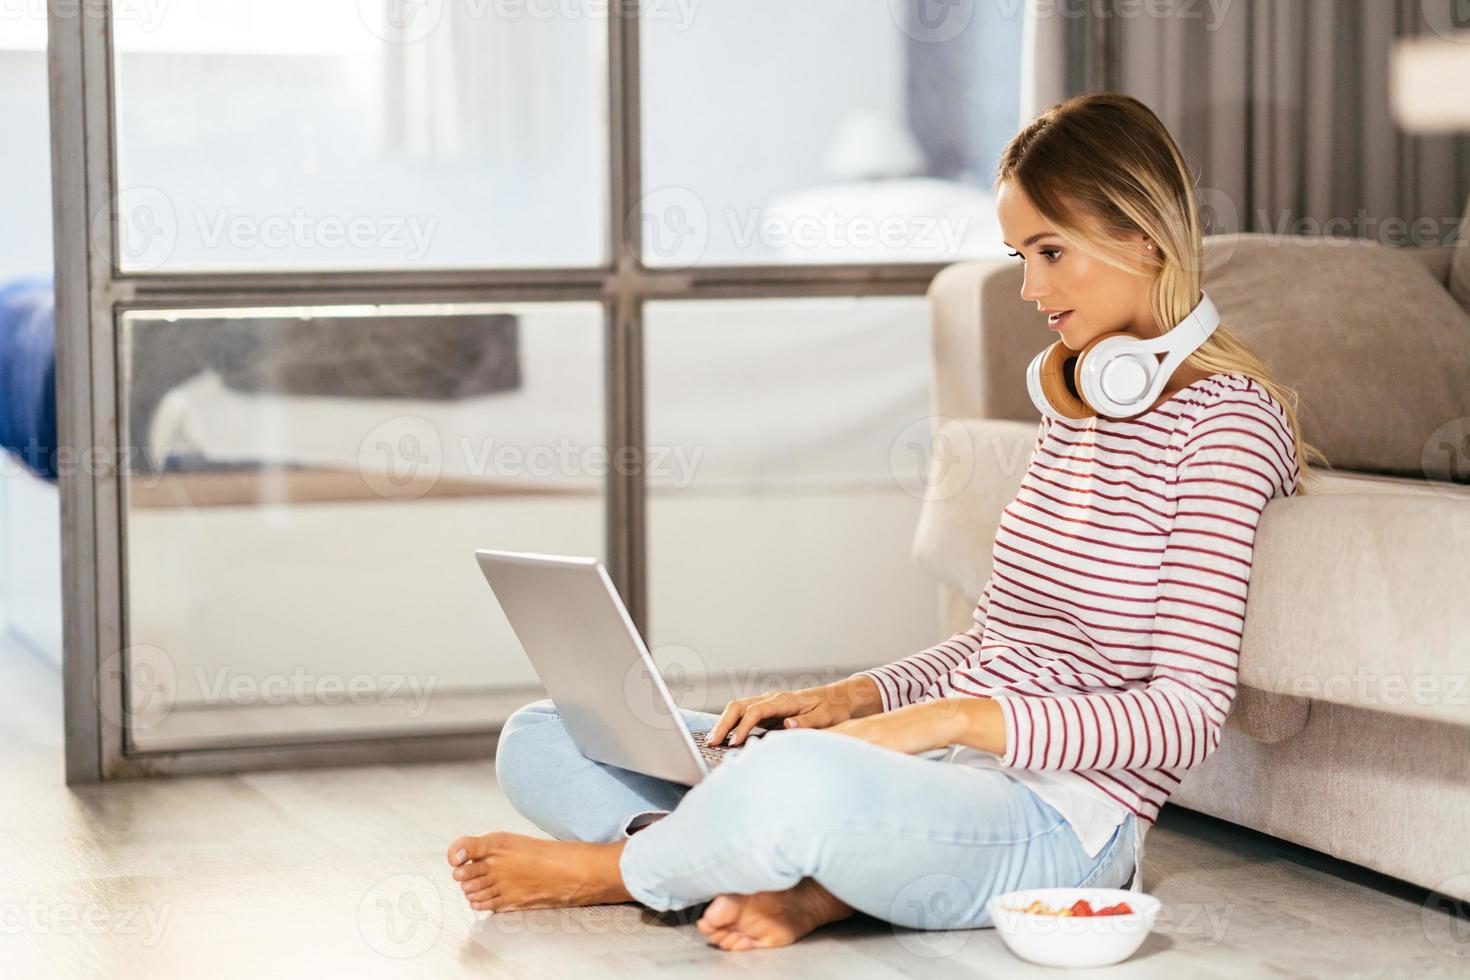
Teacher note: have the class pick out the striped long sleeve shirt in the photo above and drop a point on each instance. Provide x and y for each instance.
(1110, 628)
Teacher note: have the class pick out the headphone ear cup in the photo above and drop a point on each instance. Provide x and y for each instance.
(1082, 359)
(1053, 376)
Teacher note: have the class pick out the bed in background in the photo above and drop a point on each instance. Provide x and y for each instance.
(30, 520)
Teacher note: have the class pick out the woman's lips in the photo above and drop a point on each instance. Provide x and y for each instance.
(1056, 320)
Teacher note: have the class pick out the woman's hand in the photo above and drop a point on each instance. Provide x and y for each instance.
(812, 707)
(976, 722)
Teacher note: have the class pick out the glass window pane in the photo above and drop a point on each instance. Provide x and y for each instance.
(305, 490)
(378, 133)
(861, 131)
(779, 522)
(25, 166)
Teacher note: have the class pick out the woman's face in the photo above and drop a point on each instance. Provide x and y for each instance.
(1093, 297)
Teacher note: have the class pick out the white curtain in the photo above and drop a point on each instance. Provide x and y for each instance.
(1044, 77)
(1282, 106)
(475, 87)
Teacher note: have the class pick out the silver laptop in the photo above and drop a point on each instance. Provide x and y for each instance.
(595, 667)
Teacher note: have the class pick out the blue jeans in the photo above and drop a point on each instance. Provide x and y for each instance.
(913, 841)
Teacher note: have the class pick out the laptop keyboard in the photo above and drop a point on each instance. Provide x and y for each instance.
(715, 754)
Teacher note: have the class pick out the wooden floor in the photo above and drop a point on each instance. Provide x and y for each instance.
(341, 872)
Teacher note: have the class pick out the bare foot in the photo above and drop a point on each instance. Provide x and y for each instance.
(769, 919)
(501, 871)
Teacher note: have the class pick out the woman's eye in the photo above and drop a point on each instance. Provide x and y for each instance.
(1050, 253)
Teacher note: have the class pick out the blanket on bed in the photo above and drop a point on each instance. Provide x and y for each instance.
(28, 374)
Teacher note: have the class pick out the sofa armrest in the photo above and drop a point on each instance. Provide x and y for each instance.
(981, 372)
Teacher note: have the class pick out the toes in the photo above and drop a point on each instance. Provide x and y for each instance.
(722, 912)
(459, 851)
(472, 871)
(472, 848)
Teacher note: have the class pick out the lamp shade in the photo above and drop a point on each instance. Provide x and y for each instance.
(1430, 84)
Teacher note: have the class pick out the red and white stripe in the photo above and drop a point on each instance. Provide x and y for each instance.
(1110, 629)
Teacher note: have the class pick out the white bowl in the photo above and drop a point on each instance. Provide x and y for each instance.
(1068, 940)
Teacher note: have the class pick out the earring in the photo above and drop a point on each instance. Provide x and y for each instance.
(1150, 248)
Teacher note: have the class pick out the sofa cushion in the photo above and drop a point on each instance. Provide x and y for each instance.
(1378, 350)
(1460, 269)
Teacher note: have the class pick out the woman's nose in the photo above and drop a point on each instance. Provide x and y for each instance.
(1031, 289)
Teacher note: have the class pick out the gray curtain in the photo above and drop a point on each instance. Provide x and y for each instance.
(1282, 107)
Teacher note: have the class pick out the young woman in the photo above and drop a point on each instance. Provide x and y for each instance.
(1100, 667)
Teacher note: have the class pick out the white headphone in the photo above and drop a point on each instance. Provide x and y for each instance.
(1117, 375)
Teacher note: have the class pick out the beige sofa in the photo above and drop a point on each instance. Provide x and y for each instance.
(1351, 730)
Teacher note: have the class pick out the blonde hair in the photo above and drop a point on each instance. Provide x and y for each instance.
(1103, 164)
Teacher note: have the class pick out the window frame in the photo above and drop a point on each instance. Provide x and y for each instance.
(93, 292)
